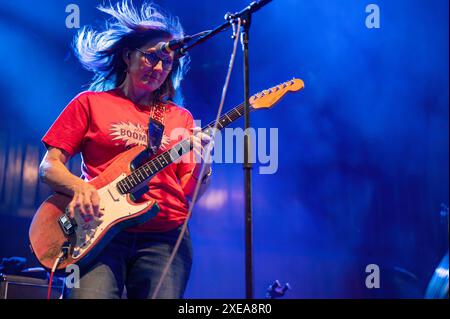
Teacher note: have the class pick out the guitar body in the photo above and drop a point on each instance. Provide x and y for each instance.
(46, 233)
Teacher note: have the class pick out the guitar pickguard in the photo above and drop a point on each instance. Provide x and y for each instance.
(113, 206)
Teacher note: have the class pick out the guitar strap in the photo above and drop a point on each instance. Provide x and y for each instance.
(156, 127)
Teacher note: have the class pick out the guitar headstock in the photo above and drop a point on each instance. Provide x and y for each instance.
(268, 98)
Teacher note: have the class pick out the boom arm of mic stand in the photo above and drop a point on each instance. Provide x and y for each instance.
(252, 7)
(202, 39)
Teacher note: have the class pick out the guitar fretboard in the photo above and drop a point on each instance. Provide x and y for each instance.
(144, 172)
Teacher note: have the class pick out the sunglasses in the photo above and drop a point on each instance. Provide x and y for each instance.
(153, 58)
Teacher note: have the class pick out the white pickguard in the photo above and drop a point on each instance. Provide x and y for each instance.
(113, 206)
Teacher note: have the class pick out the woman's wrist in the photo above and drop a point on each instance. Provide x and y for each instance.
(205, 175)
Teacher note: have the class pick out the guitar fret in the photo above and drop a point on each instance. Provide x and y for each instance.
(126, 182)
(139, 175)
(231, 116)
(159, 162)
(145, 173)
(154, 165)
(146, 169)
(131, 176)
(168, 160)
(119, 186)
(135, 179)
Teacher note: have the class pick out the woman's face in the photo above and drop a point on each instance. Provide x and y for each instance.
(148, 69)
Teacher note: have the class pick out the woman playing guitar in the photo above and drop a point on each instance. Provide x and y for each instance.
(133, 88)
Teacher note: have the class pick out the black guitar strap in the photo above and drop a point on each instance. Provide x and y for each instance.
(156, 128)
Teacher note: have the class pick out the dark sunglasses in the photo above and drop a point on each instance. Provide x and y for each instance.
(153, 58)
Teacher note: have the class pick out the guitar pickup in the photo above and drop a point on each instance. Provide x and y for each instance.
(68, 225)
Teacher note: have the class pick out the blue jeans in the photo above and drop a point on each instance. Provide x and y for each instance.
(136, 261)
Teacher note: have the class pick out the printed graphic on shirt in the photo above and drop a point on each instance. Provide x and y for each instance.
(134, 135)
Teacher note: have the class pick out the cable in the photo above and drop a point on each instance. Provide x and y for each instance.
(208, 154)
(50, 281)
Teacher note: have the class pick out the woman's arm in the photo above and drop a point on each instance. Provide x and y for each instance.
(189, 181)
(53, 172)
(196, 160)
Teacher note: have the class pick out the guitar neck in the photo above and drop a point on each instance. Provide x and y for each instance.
(226, 119)
(263, 99)
(143, 173)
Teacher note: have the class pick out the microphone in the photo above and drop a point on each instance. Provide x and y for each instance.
(173, 45)
(177, 45)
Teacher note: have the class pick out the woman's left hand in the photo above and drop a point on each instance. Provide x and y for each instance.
(202, 143)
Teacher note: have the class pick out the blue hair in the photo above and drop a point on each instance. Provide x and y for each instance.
(101, 51)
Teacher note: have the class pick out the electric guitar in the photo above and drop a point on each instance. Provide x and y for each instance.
(59, 241)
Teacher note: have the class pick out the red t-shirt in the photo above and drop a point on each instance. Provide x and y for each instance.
(102, 125)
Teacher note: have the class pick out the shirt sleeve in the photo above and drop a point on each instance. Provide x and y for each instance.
(187, 163)
(69, 129)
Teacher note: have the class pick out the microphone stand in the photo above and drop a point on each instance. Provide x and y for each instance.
(245, 15)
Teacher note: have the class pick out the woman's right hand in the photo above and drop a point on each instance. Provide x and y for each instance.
(86, 201)
(53, 172)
